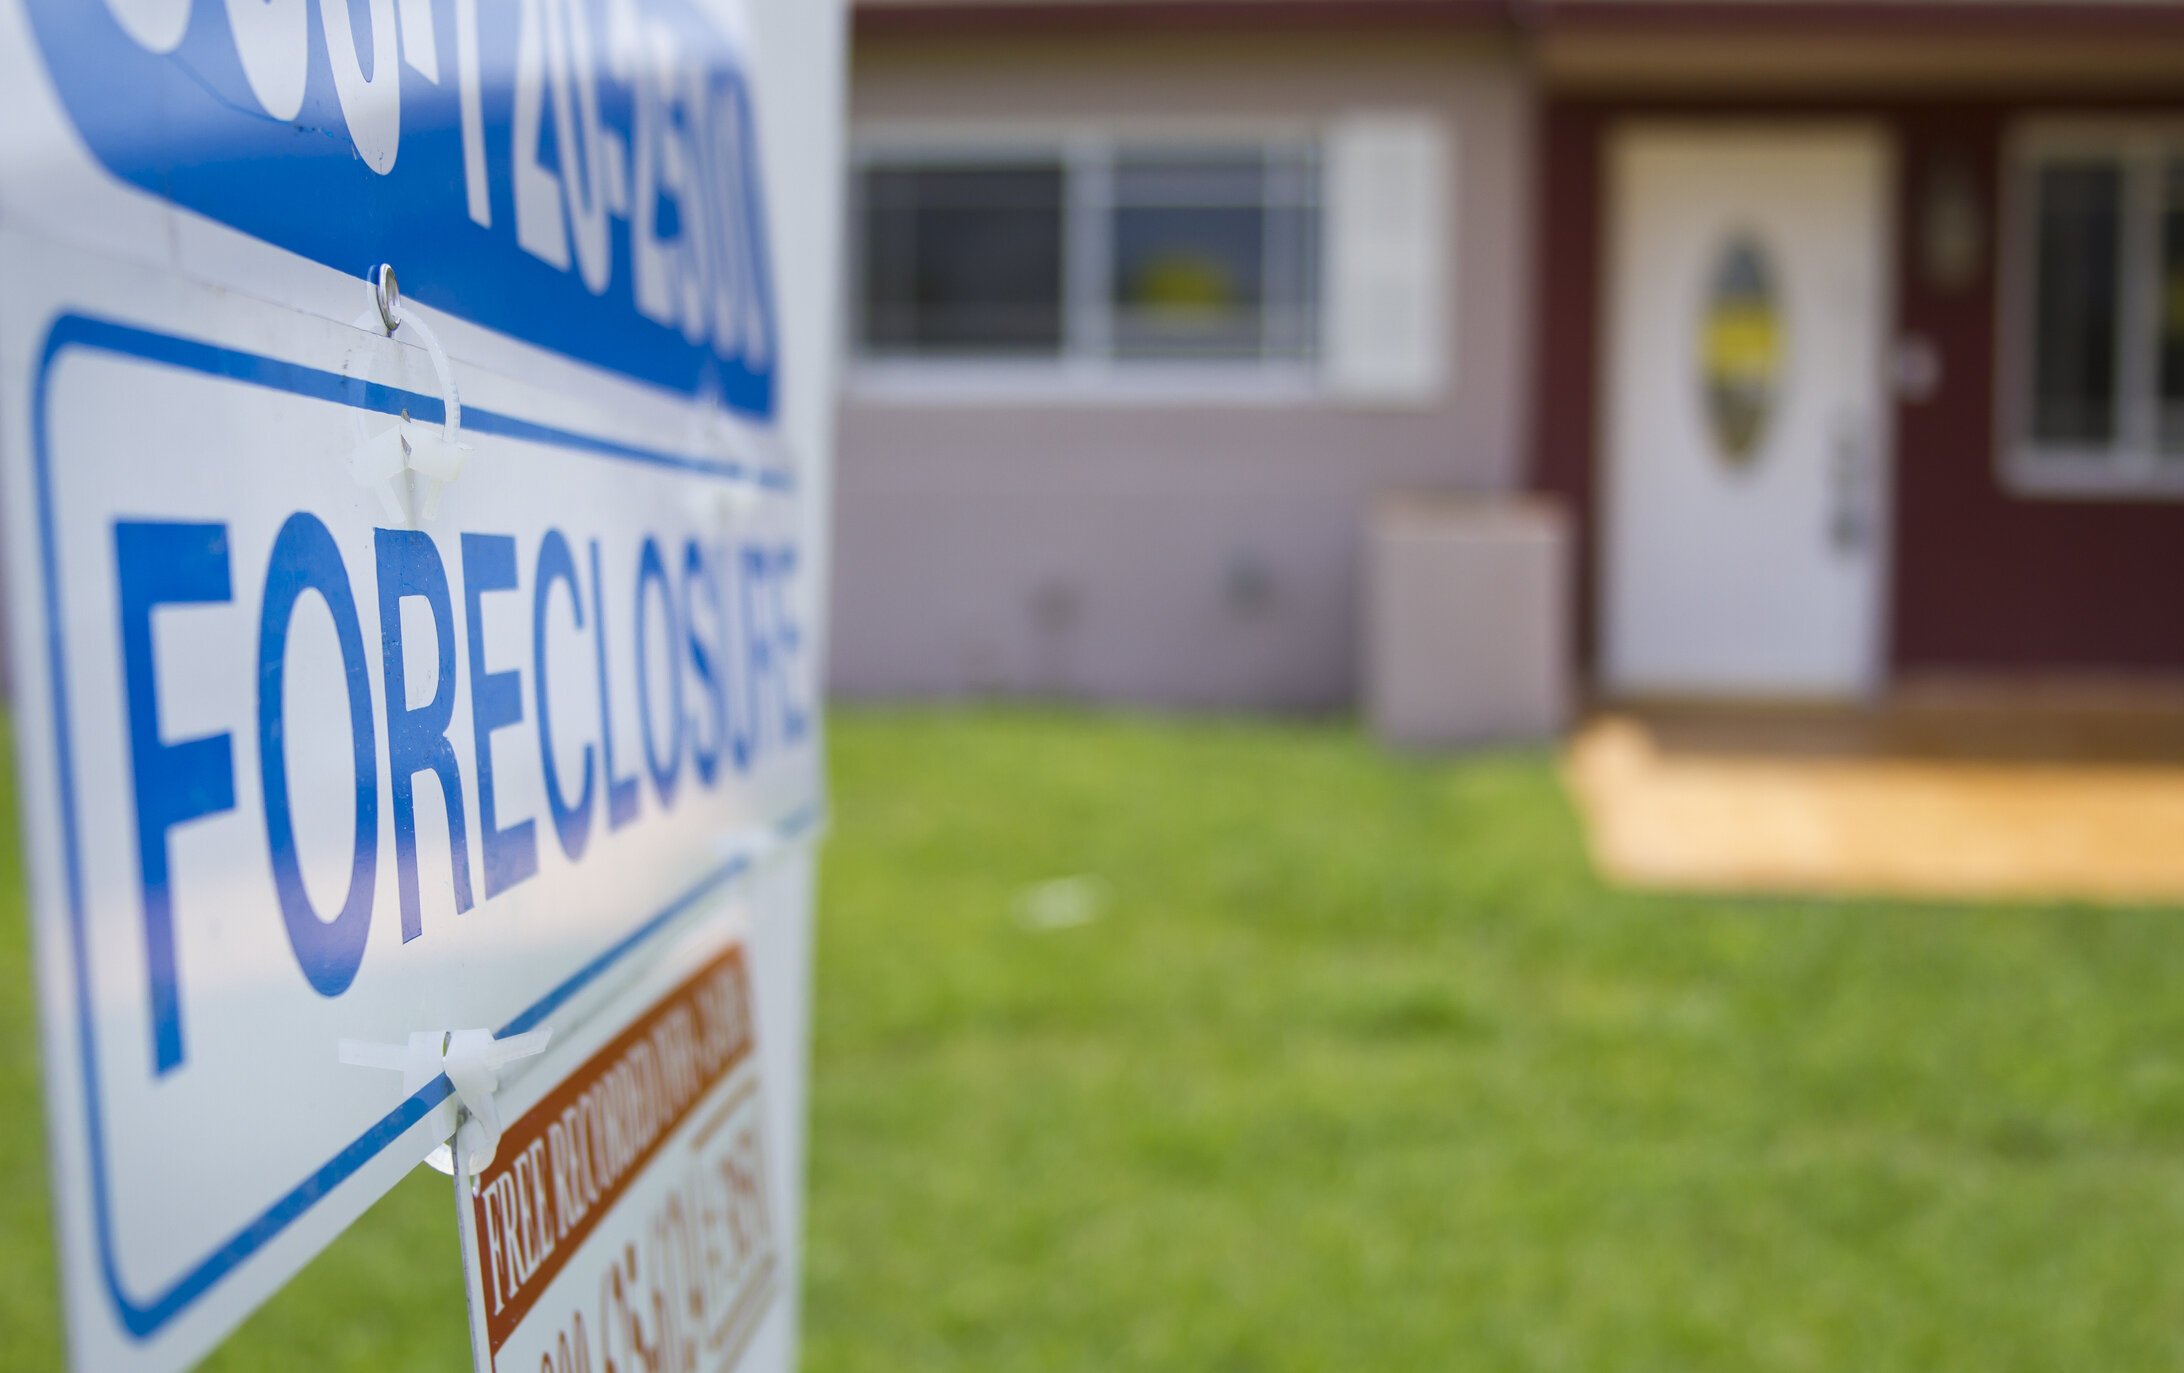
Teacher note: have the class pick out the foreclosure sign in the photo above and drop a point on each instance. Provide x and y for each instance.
(581, 174)
(409, 652)
(625, 1220)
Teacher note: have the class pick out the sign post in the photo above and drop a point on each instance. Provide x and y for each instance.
(413, 458)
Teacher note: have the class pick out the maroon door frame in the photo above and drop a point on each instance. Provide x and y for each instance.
(1981, 581)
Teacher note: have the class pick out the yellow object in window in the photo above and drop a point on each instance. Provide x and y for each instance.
(1183, 284)
(1741, 348)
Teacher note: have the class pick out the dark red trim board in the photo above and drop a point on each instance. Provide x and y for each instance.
(2084, 18)
(956, 18)
(1983, 579)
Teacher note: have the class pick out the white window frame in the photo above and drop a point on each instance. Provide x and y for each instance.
(2132, 467)
(1084, 368)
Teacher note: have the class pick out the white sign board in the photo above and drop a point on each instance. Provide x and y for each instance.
(625, 1219)
(371, 682)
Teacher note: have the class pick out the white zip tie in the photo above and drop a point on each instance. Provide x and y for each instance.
(759, 846)
(472, 1060)
(380, 462)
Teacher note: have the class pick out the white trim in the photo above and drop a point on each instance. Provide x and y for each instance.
(1388, 256)
(2048, 477)
(2133, 467)
(1088, 232)
(981, 139)
(950, 382)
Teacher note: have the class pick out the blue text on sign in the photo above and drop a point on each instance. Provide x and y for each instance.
(580, 174)
(728, 654)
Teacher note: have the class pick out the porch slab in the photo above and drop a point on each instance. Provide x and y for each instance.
(1942, 796)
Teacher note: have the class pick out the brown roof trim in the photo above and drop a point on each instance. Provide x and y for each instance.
(1137, 16)
(2083, 18)
(2079, 18)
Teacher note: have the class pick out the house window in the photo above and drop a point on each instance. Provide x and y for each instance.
(1213, 256)
(1106, 254)
(2099, 314)
(963, 259)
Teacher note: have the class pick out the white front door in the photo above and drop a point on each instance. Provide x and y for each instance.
(1744, 434)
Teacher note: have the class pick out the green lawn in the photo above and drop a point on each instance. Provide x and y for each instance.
(1354, 1066)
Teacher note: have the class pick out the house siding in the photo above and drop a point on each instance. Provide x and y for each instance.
(1177, 553)
(1988, 580)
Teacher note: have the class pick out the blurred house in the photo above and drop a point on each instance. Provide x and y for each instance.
(1848, 334)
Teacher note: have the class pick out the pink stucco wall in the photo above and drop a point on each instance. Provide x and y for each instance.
(1192, 551)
